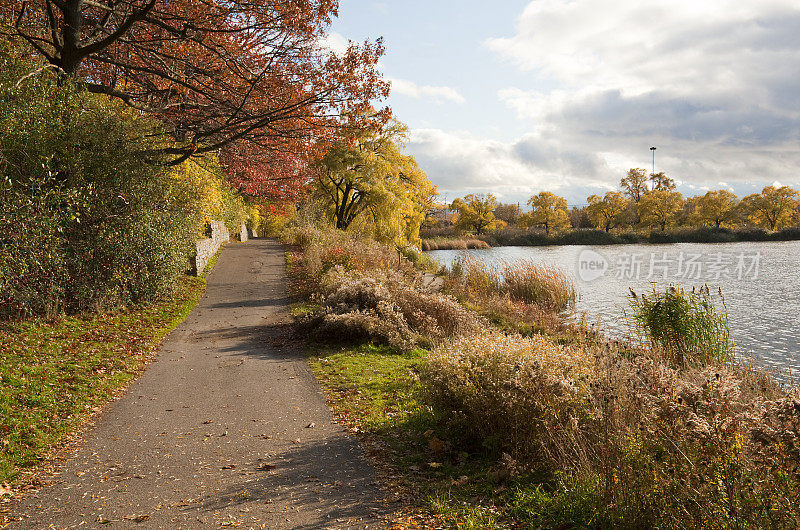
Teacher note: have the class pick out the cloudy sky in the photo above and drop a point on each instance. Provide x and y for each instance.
(566, 95)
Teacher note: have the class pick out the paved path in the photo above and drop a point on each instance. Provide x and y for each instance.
(226, 427)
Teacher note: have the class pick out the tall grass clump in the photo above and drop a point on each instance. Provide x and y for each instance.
(513, 393)
(545, 286)
(686, 326)
(661, 446)
(524, 281)
(455, 243)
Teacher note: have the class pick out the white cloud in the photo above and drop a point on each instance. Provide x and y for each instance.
(335, 42)
(714, 84)
(679, 46)
(436, 93)
(459, 163)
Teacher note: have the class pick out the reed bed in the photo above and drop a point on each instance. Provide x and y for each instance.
(686, 326)
(524, 281)
(453, 244)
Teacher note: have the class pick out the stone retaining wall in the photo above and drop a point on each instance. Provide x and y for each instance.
(206, 248)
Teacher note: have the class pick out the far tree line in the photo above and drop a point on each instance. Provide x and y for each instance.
(642, 202)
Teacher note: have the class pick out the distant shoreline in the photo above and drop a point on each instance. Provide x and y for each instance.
(521, 238)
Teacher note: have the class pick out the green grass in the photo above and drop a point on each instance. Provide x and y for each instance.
(54, 375)
(687, 326)
(375, 392)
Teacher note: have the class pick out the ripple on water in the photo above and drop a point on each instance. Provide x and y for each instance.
(762, 310)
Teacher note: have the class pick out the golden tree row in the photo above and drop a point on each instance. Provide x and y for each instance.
(642, 201)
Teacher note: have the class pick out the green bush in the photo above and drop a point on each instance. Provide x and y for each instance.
(84, 223)
(687, 326)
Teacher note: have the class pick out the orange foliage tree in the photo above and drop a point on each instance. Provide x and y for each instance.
(249, 80)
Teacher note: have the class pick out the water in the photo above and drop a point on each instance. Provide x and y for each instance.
(760, 281)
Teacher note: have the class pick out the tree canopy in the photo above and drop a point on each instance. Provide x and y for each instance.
(774, 208)
(660, 208)
(634, 184)
(365, 174)
(549, 211)
(247, 78)
(476, 213)
(610, 211)
(715, 208)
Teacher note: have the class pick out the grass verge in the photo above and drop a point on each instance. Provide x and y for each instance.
(374, 393)
(54, 375)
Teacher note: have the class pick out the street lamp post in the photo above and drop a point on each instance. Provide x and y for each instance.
(653, 149)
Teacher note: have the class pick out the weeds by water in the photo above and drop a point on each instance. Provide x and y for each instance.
(560, 428)
(523, 281)
(686, 326)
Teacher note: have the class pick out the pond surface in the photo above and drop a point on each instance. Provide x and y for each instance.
(760, 282)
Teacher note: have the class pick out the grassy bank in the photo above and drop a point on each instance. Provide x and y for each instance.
(487, 408)
(521, 237)
(438, 480)
(55, 375)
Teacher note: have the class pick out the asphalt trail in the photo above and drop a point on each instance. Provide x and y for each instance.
(226, 428)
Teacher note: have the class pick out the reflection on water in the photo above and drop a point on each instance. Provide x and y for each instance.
(760, 281)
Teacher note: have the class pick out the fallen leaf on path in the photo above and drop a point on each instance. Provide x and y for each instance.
(436, 445)
(138, 518)
(434, 465)
(460, 481)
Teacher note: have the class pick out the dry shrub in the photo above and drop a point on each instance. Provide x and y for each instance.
(522, 394)
(387, 306)
(317, 251)
(369, 291)
(711, 445)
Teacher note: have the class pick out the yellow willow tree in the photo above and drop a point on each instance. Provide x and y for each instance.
(660, 208)
(610, 211)
(634, 184)
(774, 208)
(715, 208)
(476, 213)
(366, 181)
(549, 211)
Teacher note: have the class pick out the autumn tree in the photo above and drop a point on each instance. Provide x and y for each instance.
(660, 181)
(367, 178)
(476, 213)
(549, 211)
(579, 217)
(610, 211)
(634, 184)
(715, 208)
(660, 208)
(235, 77)
(508, 213)
(774, 208)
